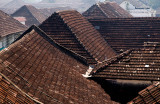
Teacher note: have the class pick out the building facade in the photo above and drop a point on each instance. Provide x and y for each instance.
(138, 11)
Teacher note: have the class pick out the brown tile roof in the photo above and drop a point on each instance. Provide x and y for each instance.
(10, 94)
(33, 15)
(48, 72)
(9, 25)
(73, 31)
(106, 10)
(150, 95)
(136, 64)
(126, 33)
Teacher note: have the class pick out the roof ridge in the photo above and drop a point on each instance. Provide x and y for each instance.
(109, 61)
(78, 38)
(27, 6)
(98, 4)
(51, 41)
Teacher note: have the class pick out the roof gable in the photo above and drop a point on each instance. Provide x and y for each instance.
(47, 73)
(9, 25)
(33, 15)
(109, 10)
(73, 31)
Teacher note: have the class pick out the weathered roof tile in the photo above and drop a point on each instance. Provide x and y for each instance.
(106, 10)
(49, 72)
(9, 25)
(136, 64)
(125, 33)
(73, 31)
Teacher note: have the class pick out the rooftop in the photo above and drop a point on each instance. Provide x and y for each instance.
(9, 25)
(73, 31)
(106, 10)
(126, 33)
(135, 64)
(48, 72)
(32, 15)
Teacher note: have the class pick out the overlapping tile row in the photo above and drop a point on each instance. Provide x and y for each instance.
(150, 95)
(33, 15)
(136, 64)
(106, 10)
(125, 33)
(9, 94)
(8, 25)
(73, 31)
(48, 72)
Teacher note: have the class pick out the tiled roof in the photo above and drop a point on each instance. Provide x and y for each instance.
(48, 72)
(9, 25)
(136, 64)
(125, 33)
(73, 31)
(33, 15)
(10, 94)
(150, 95)
(106, 10)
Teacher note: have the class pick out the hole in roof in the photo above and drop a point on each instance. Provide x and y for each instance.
(146, 66)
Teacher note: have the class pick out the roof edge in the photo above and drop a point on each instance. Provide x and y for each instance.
(105, 63)
(63, 49)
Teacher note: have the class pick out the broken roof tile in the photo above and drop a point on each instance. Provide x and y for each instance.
(73, 31)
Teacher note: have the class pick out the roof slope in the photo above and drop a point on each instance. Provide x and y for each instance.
(125, 33)
(48, 72)
(150, 95)
(9, 93)
(106, 10)
(140, 64)
(33, 15)
(73, 31)
(9, 25)
(136, 3)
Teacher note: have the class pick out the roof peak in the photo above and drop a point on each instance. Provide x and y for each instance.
(51, 41)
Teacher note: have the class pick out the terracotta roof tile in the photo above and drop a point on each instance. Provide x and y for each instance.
(33, 15)
(106, 10)
(48, 72)
(150, 95)
(136, 64)
(9, 93)
(9, 25)
(125, 33)
(73, 31)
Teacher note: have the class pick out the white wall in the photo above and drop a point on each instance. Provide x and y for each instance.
(137, 12)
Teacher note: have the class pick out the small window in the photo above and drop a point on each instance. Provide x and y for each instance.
(97, 27)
